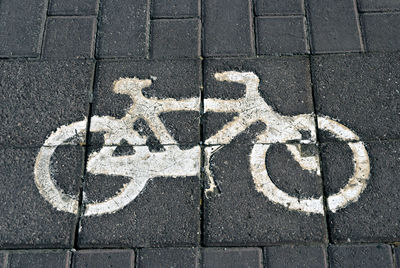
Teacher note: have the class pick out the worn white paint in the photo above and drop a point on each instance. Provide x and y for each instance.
(144, 165)
(310, 163)
(358, 181)
(43, 177)
(265, 185)
(141, 167)
(252, 108)
(208, 152)
(281, 129)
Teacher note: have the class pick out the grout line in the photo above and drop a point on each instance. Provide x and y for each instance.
(202, 155)
(175, 19)
(71, 258)
(393, 256)
(136, 258)
(380, 12)
(72, 16)
(280, 16)
(82, 186)
(307, 26)
(43, 32)
(148, 28)
(359, 29)
(253, 30)
(96, 34)
(324, 195)
(202, 34)
(5, 260)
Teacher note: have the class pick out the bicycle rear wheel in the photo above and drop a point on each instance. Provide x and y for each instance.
(346, 195)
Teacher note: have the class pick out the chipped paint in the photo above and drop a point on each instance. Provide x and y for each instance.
(252, 108)
(43, 178)
(265, 185)
(208, 152)
(141, 166)
(358, 181)
(283, 129)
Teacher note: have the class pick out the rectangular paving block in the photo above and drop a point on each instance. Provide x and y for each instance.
(39, 258)
(227, 28)
(39, 196)
(232, 257)
(396, 252)
(281, 35)
(334, 26)
(382, 5)
(3, 258)
(261, 195)
(283, 89)
(373, 210)
(279, 7)
(69, 37)
(123, 29)
(296, 256)
(368, 256)
(364, 99)
(176, 38)
(168, 257)
(40, 97)
(175, 9)
(172, 81)
(381, 31)
(73, 7)
(21, 27)
(103, 258)
(165, 213)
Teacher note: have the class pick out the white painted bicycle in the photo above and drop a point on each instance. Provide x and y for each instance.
(144, 165)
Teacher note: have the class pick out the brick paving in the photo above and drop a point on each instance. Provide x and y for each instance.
(59, 63)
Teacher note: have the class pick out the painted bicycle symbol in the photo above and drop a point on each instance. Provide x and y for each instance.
(144, 164)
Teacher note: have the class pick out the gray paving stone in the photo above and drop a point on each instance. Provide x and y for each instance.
(21, 24)
(276, 7)
(175, 8)
(284, 85)
(165, 213)
(277, 35)
(383, 5)
(73, 7)
(227, 28)
(177, 38)
(168, 257)
(3, 259)
(381, 31)
(396, 252)
(104, 258)
(334, 26)
(366, 99)
(232, 257)
(177, 79)
(122, 29)
(39, 259)
(28, 219)
(374, 216)
(240, 215)
(40, 97)
(70, 37)
(360, 256)
(296, 256)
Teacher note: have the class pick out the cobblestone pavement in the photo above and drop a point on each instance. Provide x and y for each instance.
(199, 133)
